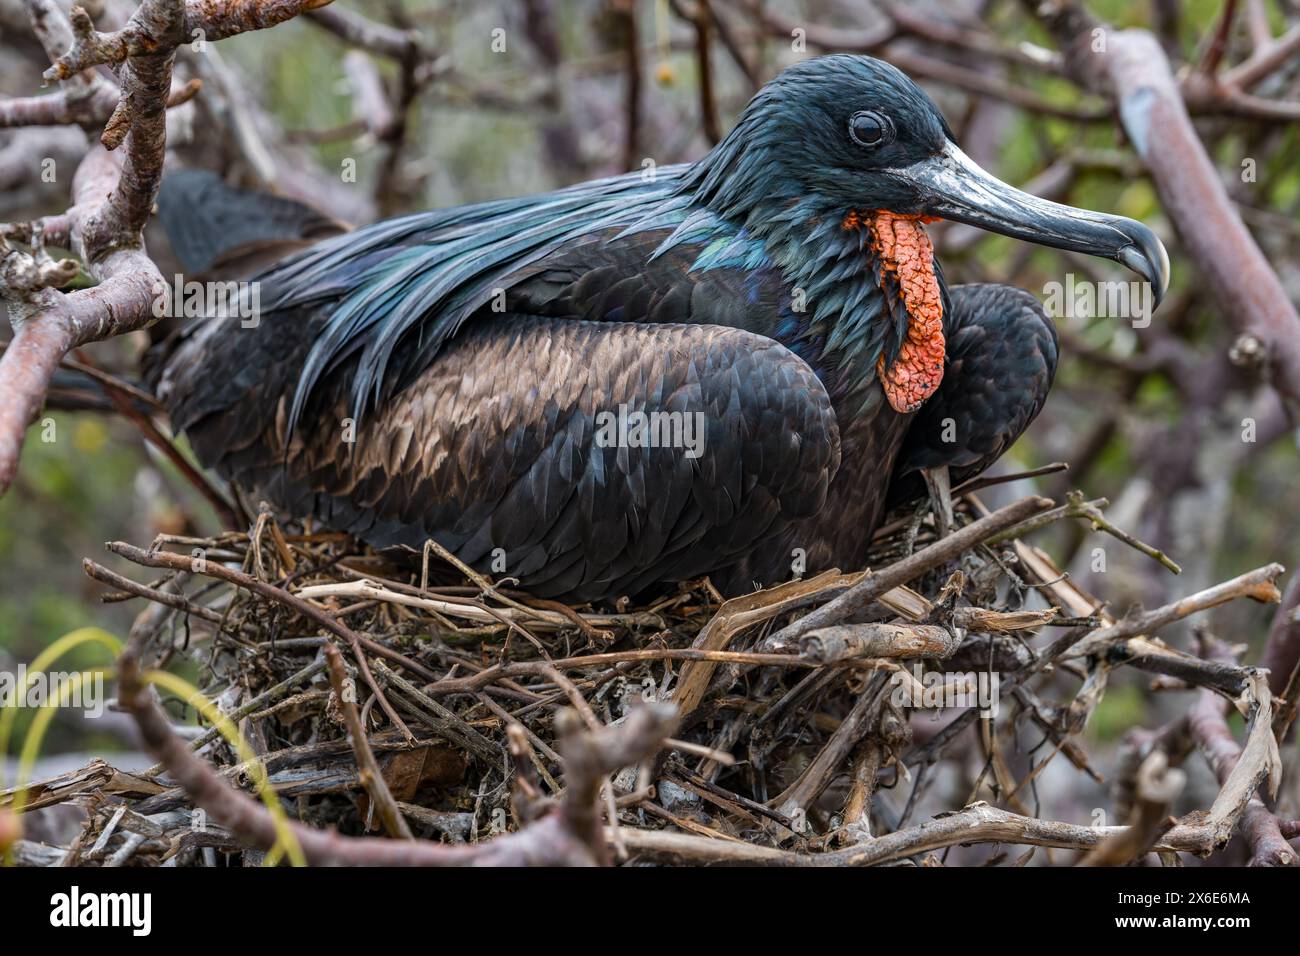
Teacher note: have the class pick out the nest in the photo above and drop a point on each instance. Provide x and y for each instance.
(389, 700)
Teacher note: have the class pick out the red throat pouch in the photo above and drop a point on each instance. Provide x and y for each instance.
(902, 247)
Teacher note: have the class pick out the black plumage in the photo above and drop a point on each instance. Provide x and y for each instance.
(1001, 362)
(447, 374)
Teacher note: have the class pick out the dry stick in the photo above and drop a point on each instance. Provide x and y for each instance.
(627, 18)
(852, 641)
(700, 750)
(122, 402)
(442, 721)
(1158, 785)
(1240, 771)
(828, 645)
(1286, 711)
(1147, 655)
(1077, 507)
(372, 778)
(1282, 651)
(177, 602)
(700, 17)
(808, 787)
(742, 612)
(530, 737)
(1218, 44)
(177, 562)
(446, 604)
(590, 756)
(702, 785)
(1001, 622)
(489, 675)
(527, 794)
(988, 481)
(249, 707)
(937, 482)
(88, 106)
(1265, 61)
(149, 622)
(276, 764)
(861, 595)
(856, 825)
(552, 840)
(480, 580)
(180, 562)
(108, 380)
(536, 605)
(977, 823)
(1172, 739)
(356, 30)
(1256, 585)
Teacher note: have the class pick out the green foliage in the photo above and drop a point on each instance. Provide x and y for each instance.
(1122, 708)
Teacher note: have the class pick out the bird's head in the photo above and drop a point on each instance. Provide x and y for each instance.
(852, 140)
(859, 136)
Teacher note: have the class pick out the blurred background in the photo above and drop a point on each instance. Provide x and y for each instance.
(495, 98)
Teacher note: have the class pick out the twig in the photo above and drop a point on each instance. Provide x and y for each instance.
(372, 778)
(874, 585)
(977, 823)
(1256, 585)
(840, 642)
(1241, 770)
(1077, 507)
(553, 839)
(355, 30)
(163, 559)
(441, 720)
(1157, 786)
(175, 601)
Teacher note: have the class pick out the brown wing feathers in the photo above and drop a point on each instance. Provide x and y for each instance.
(495, 446)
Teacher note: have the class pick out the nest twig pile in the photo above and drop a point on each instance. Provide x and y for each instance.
(423, 714)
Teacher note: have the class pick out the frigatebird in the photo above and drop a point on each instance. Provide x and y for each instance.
(718, 368)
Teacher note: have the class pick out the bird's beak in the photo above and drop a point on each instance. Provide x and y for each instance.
(952, 186)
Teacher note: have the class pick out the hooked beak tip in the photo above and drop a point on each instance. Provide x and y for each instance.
(1147, 257)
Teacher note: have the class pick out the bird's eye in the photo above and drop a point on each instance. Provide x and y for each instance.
(869, 128)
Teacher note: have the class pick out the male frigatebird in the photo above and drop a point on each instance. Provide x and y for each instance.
(454, 374)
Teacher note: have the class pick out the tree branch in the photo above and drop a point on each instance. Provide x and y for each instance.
(1130, 68)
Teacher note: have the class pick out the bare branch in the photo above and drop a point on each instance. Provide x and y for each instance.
(1256, 585)
(1241, 770)
(1157, 786)
(154, 28)
(1130, 67)
(977, 823)
(356, 30)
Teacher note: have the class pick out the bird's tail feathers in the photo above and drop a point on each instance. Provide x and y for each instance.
(220, 232)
